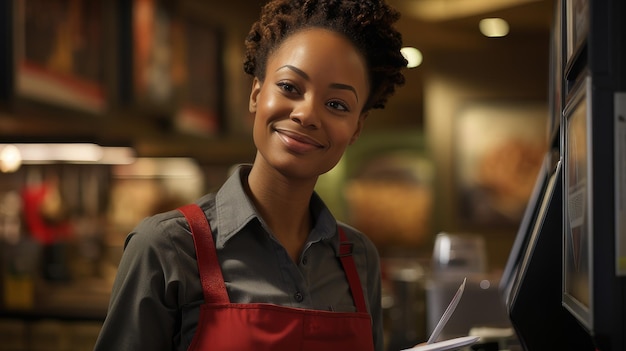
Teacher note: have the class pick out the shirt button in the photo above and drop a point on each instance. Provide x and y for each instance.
(298, 296)
(305, 260)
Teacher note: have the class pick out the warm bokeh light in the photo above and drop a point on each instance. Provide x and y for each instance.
(33, 153)
(494, 27)
(10, 158)
(413, 55)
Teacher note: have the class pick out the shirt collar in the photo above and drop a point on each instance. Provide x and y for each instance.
(235, 210)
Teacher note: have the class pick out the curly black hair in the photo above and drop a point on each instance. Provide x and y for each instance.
(368, 24)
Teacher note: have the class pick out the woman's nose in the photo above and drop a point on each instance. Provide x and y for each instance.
(305, 114)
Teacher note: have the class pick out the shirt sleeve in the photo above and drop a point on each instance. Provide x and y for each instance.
(143, 308)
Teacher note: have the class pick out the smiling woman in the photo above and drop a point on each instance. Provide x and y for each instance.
(308, 110)
(262, 264)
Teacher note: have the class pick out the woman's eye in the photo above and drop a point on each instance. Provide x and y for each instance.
(284, 86)
(338, 106)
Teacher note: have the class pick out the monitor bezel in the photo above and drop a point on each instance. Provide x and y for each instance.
(511, 273)
(580, 98)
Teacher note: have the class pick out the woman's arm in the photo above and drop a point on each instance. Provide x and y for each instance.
(143, 307)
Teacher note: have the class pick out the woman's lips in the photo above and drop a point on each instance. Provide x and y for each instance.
(297, 142)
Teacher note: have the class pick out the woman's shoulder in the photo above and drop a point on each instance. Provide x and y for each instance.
(359, 239)
(166, 228)
(157, 230)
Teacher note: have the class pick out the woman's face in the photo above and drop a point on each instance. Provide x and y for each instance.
(309, 107)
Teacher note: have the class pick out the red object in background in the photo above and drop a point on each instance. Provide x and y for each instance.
(43, 214)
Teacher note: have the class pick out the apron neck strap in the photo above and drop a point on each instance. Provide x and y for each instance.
(211, 277)
(347, 261)
(213, 286)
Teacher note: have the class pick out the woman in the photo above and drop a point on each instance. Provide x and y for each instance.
(277, 271)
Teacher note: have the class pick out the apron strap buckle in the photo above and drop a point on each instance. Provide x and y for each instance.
(345, 249)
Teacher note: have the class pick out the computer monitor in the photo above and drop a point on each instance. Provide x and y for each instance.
(531, 283)
(531, 289)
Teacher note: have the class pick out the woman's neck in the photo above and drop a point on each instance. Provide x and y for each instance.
(283, 204)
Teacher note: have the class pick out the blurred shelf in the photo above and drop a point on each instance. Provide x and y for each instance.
(149, 136)
(87, 300)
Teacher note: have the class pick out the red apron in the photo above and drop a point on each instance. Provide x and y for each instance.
(229, 326)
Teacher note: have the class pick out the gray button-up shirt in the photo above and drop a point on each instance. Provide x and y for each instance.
(157, 292)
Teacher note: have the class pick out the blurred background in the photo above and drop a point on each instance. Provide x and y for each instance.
(113, 110)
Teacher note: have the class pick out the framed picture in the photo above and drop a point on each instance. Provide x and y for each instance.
(177, 65)
(577, 277)
(576, 28)
(556, 74)
(198, 62)
(498, 151)
(152, 27)
(59, 53)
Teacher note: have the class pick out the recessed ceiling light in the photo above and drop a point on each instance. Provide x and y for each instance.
(413, 56)
(494, 27)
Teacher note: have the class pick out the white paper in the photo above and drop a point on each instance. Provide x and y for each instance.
(446, 315)
(450, 344)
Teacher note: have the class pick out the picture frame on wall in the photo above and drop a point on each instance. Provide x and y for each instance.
(198, 61)
(58, 53)
(576, 30)
(556, 74)
(152, 24)
(177, 66)
(577, 221)
(498, 151)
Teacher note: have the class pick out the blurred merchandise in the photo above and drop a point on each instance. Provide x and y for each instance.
(391, 199)
(62, 229)
(481, 311)
(403, 302)
(20, 269)
(458, 255)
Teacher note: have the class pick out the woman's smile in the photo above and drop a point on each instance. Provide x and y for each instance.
(298, 142)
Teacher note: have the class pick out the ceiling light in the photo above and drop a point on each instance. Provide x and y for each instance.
(445, 10)
(32, 153)
(494, 27)
(413, 56)
(10, 158)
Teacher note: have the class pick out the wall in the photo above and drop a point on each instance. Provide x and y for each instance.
(502, 71)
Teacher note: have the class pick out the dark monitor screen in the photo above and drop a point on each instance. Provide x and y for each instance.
(511, 270)
(531, 283)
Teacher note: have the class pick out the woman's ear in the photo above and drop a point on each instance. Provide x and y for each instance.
(359, 128)
(254, 93)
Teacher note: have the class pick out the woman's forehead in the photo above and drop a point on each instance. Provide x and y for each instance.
(319, 49)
